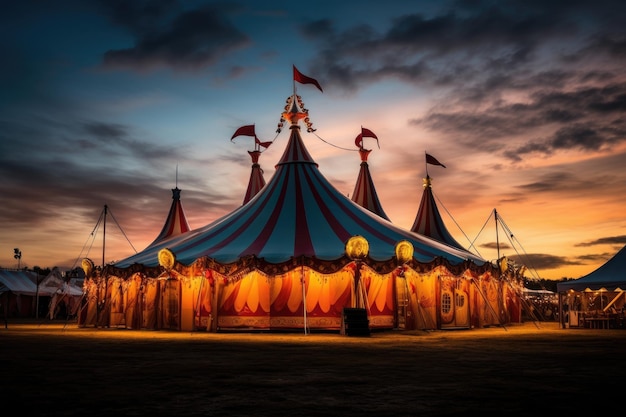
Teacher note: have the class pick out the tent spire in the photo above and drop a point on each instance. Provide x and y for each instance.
(364, 193)
(428, 221)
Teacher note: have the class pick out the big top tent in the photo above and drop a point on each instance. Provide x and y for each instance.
(295, 255)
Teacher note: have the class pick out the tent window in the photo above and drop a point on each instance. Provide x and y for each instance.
(446, 302)
(460, 300)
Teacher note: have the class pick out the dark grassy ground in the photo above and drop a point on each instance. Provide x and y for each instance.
(59, 369)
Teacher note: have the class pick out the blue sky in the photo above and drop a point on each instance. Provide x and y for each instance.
(118, 102)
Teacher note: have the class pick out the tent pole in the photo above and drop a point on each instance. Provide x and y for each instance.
(495, 216)
(303, 297)
(488, 303)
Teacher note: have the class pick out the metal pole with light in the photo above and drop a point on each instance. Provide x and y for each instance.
(404, 253)
(17, 254)
(357, 249)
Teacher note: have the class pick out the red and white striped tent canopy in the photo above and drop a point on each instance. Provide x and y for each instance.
(428, 221)
(297, 218)
(176, 221)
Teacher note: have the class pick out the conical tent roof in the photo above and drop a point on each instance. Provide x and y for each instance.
(176, 221)
(256, 182)
(609, 276)
(298, 217)
(364, 193)
(428, 221)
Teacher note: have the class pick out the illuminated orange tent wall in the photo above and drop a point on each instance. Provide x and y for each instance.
(294, 257)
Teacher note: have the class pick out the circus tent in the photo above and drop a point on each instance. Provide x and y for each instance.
(257, 181)
(598, 297)
(23, 293)
(294, 257)
(428, 221)
(176, 220)
(364, 193)
(18, 292)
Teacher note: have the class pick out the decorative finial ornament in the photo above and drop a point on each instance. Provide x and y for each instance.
(357, 247)
(404, 251)
(504, 264)
(87, 265)
(167, 258)
(294, 112)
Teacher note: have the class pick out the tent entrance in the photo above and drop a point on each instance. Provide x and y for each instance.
(453, 304)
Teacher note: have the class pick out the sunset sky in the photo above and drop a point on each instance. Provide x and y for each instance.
(118, 102)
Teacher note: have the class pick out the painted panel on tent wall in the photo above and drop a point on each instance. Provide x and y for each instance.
(204, 311)
(380, 298)
(87, 315)
(116, 317)
(326, 297)
(132, 303)
(422, 304)
(245, 303)
(169, 305)
(149, 307)
(104, 298)
(189, 295)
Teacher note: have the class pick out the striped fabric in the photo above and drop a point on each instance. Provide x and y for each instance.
(297, 214)
(18, 282)
(428, 221)
(364, 191)
(176, 221)
(257, 182)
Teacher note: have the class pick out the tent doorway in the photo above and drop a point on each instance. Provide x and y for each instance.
(454, 305)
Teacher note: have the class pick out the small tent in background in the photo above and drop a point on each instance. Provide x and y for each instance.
(60, 294)
(597, 299)
(18, 293)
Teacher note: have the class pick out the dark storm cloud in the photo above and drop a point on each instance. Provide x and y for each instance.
(63, 163)
(482, 50)
(468, 42)
(611, 240)
(542, 261)
(167, 36)
(589, 118)
(116, 140)
(495, 245)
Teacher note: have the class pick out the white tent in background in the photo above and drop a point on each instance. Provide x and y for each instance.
(62, 292)
(18, 290)
(597, 297)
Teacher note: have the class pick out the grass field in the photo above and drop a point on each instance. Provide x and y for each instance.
(59, 369)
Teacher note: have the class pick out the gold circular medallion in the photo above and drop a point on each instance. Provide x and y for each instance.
(404, 251)
(357, 247)
(166, 258)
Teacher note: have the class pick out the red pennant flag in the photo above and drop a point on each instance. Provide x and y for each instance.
(247, 130)
(303, 79)
(263, 144)
(368, 133)
(433, 161)
(365, 133)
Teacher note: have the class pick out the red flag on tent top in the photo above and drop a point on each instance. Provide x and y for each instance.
(433, 161)
(365, 133)
(303, 79)
(247, 130)
(263, 144)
